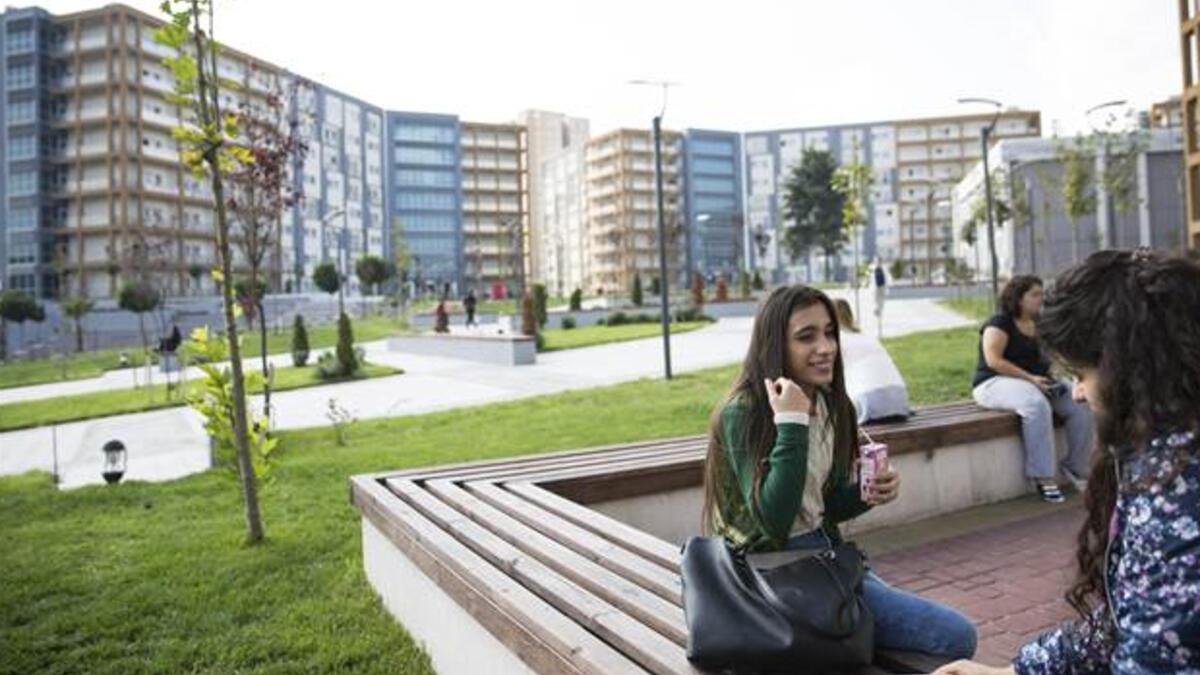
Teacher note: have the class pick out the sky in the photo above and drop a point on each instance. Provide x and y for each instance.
(741, 66)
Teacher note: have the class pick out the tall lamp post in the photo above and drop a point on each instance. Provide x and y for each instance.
(1106, 232)
(987, 188)
(662, 226)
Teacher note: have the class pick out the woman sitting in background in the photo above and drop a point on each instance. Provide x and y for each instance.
(1013, 374)
(873, 382)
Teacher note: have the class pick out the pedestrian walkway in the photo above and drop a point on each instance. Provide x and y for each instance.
(428, 384)
(1008, 578)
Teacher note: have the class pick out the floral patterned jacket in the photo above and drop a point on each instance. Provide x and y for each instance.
(1153, 577)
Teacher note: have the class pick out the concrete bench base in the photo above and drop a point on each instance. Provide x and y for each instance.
(499, 350)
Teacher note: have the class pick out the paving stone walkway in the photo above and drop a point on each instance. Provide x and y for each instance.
(1008, 578)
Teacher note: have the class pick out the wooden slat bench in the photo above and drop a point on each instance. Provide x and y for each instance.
(511, 565)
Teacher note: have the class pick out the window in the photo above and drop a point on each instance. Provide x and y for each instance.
(19, 75)
(713, 185)
(712, 147)
(713, 166)
(25, 282)
(22, 147)
(428, 223)
(22, 254)
(22, 183)
(714, 203)
(22, 219)
(430, 201)
(418, 178)
(432, 156)
(20, 112)
(426, 134)
(20, 41)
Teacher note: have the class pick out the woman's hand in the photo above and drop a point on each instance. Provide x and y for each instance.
(1042, 382)
(885, 487)
(787, 396)
(972, 668)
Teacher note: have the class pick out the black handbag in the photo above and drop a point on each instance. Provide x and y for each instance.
(804, 615)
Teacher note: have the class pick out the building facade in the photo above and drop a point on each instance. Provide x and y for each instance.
(425, 187)
(548, 135)
(914, 164)
(562, 230)
(713, 213)
(1189, 42)
(622, 225)
(93, 191)
(1039, 237)
(495, 207)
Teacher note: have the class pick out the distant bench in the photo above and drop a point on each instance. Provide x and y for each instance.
(569, 562)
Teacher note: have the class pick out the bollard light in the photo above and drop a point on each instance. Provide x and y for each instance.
(114, 461)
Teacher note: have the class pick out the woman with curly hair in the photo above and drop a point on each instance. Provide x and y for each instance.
(1128, 326)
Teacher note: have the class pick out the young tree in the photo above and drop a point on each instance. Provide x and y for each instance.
(813, 208)
(1078, 187)
(373, 271)
(300, 349)
(76, 308)
(208, 149)
(744, 284)
(722, 288)
(697, 290)
(529, 324)
(539, 304)
(262, 190)
(347, 360)
(577, 300)
(140, 297)
(635, 290)
(853, 182)
(18, 307)
(757, 282)
(401, 263)
(325, 276)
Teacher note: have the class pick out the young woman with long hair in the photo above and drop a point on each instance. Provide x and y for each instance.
(1127, 324)
(779, 472)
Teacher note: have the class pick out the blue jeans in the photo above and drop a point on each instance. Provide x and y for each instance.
(904, 621)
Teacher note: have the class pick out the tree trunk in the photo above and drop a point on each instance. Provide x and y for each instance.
(3, 339)
(266, 369)
(78, 335)
(145, 347)
(1074, 243)
(254, 527)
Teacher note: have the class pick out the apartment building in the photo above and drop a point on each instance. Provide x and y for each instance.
(495, 207)
(622, 226)
(93, 191)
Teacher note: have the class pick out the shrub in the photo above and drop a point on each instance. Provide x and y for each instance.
(539, 304)
(529, 324)
(347, 356)
(722, 289)
(577, 300)
(568, 322)
(693, 314)
(697, 289)
(300, 348)
(635, 292)
(744, 284)
(757, 283)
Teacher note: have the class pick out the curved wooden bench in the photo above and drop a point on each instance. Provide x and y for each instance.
(564, 587)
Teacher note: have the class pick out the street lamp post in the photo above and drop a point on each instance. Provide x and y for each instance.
(987, 188)
(665, 284)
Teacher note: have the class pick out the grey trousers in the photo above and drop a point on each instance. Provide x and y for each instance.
(1037, 424)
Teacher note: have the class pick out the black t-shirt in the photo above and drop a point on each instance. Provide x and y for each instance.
(1021, 350)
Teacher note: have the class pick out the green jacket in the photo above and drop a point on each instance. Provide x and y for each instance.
(782, 488)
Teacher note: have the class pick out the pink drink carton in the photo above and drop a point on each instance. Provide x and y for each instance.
(873, 460)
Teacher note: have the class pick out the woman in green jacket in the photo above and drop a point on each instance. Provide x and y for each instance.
(780, 468)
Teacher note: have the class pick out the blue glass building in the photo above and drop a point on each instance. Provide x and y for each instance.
(425, 197)
(712, 182)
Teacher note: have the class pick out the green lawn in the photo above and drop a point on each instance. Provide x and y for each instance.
(972, 306)
(25, 414)
(93, 364)
(145, 578)
(557, 338)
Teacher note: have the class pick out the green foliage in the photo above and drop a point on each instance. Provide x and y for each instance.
(692, 314)
(622, 319)
(757, 283)
(347, 358)
(373, 271)
(568, 322)
(539, 304)
(743, 285)
(722, 289)
(300, 349)
(1119, 177)
(1078, 185)
(214, 401)
(853, 182)
(19, 307)
(896, 270)
(577, 300)
(76, 308)
(812, 207)
(138, 297)
(655, 286)
(325, 276)
(635, 291)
